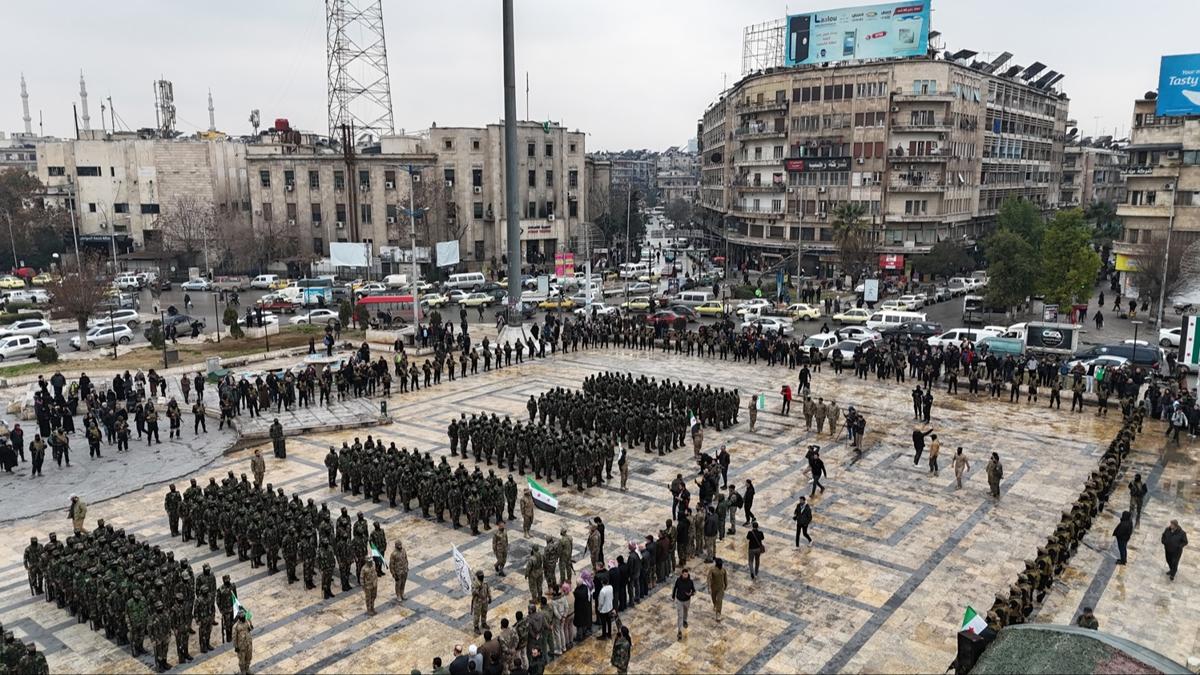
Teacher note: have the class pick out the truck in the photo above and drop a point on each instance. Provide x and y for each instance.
(1052, 338)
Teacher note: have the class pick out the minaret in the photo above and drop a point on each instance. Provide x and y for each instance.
(25, 107)
(87, 121)
(212, 117)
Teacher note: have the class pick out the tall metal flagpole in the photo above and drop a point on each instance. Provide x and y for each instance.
(511, 207)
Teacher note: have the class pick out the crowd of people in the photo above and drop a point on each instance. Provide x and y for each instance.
(575, 455)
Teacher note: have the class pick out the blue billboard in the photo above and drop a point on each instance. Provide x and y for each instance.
(869, 32)
(1179, 86)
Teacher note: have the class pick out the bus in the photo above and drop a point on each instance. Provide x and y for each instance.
(388, 311)
(315, 292)
(975, 310)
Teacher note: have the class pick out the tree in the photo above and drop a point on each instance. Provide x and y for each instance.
(37, 229)
(1022, 218)
(230, 318)
(80, 291)
(1106, 226)
(1069, 265)
(852, 236)
(678, 212)
(1150, 259)
(189, 230)
(945, 259)
(1011, 269)
(612, 223)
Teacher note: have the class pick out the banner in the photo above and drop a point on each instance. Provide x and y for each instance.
(447, 253)
(564, 265)
(891, 262)
(893, 30)
(349, 254)
(1189, 341)
(1178, 86)
(461, 569)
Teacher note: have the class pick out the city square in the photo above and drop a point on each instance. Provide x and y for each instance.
(898, 553)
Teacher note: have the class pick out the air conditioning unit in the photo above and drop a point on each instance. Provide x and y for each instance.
(291, 221)
(104, 226)
(416, 178)
(478, 189)
(550, 217)
(860, 160)
(340, 225)
(822, 189)
(791, 190)
(390, 185)
(290, 187)
(1172, 154)
(895, 108)
(363, 187)
(449, 183)
(821, 216)
(391, 220)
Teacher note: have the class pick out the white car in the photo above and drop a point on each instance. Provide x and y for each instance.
(600, 308)
(34, 296)
(456, 295)
(30, 327)
(128, 317)
(1107, 361)
(374, 288)
(857, 333)
(893, 306)
(316, 316)
(267, 318)
(910, 303)
(196, 285)
(803, 311)
(754, 306)
(846, 347)
(769, 324)
(1169, 337)
(853, 315)
(957, 335)
(17, 346)
(640, 288)
(105, 335)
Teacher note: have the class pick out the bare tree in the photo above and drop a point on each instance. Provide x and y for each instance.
(1149, 274)
(188, 228)
(80, 292)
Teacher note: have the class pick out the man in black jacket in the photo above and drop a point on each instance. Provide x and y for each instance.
(803, 517)
(682, 528)
(1173, 541)
(682, 594)
(918, 438)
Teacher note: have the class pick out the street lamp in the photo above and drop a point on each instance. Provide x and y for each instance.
(1133, 357)
(11, 239)
(1162, 289)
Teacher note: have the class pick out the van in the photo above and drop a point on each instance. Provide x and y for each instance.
(127, 282)
(891, 318)
(1151, 357)
(634, 270)
(466, 281)
(694, 298)
(396, 280)
(263, 281)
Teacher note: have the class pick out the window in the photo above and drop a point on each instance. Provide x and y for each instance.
(477, 210)
(478, 249)
(364, 180)
(339, 212)
(87, 171)
(150, 209)
(389, 178)
(289, 178)
(448, 143)
(364, 214)
(291, 211)
(549, 149)
(573, 179)
(264, 178)
(314, 180)
(474, 143)
(56, 170)
(315, 213)
(318, 246)
(477, 177)
(924, 86)
(339, 180)
(549, 178)
(1133, 236)
(531, 150)
(531, 211)
(532, 179)
(91, 207)
(392, 212)
(449, 175)
(267, 212)
(121, 207)
(571, 148)
(549, 208)
(573, 209)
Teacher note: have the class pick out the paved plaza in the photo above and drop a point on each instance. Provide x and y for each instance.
(898, 552)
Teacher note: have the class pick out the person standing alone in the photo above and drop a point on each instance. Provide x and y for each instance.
(1173, 541)
(803, 517)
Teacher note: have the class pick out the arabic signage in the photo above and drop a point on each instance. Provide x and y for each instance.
(814, 164)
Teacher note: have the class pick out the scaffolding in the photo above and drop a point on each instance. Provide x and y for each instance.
(763, 46)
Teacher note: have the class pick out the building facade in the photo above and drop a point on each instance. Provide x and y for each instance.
(18, 151)
(678, 176)
(1093, 173)
(1162, 183)
(929, 148)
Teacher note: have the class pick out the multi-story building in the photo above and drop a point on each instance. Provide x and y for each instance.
(122, 185)
(928, 147)
(678, 175)
(1092, 173)
(18, 151)
(454, 174)
(1162, 183)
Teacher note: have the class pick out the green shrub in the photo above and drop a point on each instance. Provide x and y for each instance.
(155, 334)
(46, 354)
(231, 319)
(9, 317)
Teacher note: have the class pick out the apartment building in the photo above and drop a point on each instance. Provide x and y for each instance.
(1162, 183)
(677, 175)
(1092, 173)
(928, 147)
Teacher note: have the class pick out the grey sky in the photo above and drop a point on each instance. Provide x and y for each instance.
(632, 74)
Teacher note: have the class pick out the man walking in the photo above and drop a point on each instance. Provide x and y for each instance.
(918, 440)
(1173, 541)
(717, 582)
(755, 548)
(961, 466)
(803, 517)
(995, 473)
(682, 594)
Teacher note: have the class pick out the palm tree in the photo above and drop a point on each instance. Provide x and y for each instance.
(850, 233)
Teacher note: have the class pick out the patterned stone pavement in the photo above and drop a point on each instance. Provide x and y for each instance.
(898, 552)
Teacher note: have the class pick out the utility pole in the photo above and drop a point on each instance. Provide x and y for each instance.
(413, 172)
(511, 208)
(1162, 288)
(12, 240)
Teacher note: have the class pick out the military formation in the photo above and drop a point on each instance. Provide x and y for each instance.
(715, 408)
(404, 477)
(19, 657)
(574, 455)
(130, 590)
(1035, 581)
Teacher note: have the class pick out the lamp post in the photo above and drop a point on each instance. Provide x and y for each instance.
(217, 317)
(11, 239)
(162, 332)
(1133, 357)
(1162, 289)
(413, 172)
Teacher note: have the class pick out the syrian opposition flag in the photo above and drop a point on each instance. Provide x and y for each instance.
(542, 498)
(973, 622)
(378, 556)
(762, 401)
(461, 569)
(239, 607)
(693, 421)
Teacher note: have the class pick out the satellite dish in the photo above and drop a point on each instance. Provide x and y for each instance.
(1151, 95)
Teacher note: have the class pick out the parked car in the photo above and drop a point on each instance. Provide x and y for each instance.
(800, 311)
(455, 295)
(847, 347)
(856, 333)
(957, 335)
(10, 281)
(434, 300)
(20, 346)
(942, 293)
(599, 308)
(1169, 337)
(128, 282)
(769, 324)
(275, 302)
(128, 317)
(105, 335)
(711, 308)
(33, 296)
(182, 323)
(824, 342)
(476, 300)
(757, 304)
(264, 281)
(686, 312)
(200, 284)
(234, 283)
(638, 304)
(316, 316)
(30, 327)
(640, 287)
(43, 279)
(373, 288)
(857, 315)
(911, 302)
(663, 317)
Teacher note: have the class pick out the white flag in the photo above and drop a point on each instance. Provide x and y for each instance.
(462, 569)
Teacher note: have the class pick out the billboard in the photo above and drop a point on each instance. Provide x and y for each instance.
(817, 164)
(1179, 86)
(891, 262)
(564, 265)
(890, 30)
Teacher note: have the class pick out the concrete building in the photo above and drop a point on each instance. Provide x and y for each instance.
(678, 175)
(1162, 183)
(929, 148)
(121, 186)
(1093, 173)
(18, 151)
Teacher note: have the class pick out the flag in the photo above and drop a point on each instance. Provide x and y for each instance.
(762, 401)
(973, 622)
(239, 607)
(620, 455)
(462, 569)
(693, 421)
(542, 498)
(376, 554)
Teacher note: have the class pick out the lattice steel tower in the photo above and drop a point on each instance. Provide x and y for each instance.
(359, 91)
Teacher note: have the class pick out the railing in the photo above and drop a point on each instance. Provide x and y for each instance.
(759, 132)
(760, 106)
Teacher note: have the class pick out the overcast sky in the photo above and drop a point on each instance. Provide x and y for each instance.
(631, 73)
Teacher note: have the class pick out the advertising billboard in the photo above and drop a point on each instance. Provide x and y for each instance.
(564, 265)
(817, 164)
(889, 261)
(1179, 86)
(890, 30)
